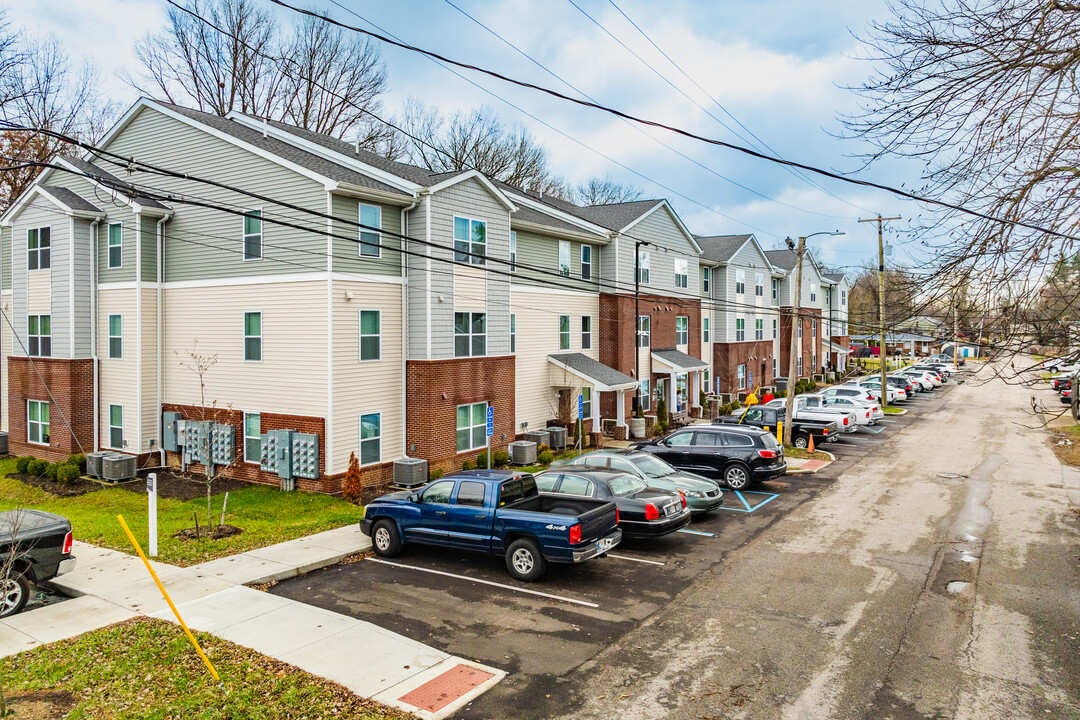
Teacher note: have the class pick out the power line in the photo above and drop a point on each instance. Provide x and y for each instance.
(679, 131)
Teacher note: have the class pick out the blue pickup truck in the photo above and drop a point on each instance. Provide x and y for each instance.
(499, 512)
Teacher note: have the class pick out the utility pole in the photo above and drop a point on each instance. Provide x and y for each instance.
(883, 356)
(796, 346)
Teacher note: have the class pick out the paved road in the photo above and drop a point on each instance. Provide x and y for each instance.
(843, 596)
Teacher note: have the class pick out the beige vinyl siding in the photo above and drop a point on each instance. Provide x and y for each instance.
(118, 383)
(5, 350)
(203, 243)
(150, 409)
(470, 288)
(39, 293)
(542, 251)
(661, 229)
(347, 258)
(537, 337)
(291, 378)
(369, 386)
(468, 199)
(5, 260)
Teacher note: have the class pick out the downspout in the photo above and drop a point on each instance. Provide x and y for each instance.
(71, 285)
(138, 332)
(94, 325)
(329, 423)
(405, 326)
(427, 266)
(160, 332)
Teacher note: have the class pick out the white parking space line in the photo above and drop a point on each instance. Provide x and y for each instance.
(647, 562)
(486, 582)
(696, 532)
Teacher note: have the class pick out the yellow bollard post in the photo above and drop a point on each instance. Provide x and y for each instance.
(780, 431)
(165, 595)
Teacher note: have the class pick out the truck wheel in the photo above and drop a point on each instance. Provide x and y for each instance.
(525, 561)
(801, 442)
(736, 477)
(385, 539)
(14, 594)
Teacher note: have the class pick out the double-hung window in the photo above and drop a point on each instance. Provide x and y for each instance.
(759, 329)
(705, 329)
(828, 297)
(775, 288)
(644, 328)
(471, 426)
(116, 427)
(564, 258)
(37, 422)
(116, 336)
(38, 247)
(370, 438)
(646, 399)
(775, 324)
(682, 329)
(564, 332)
(740, 282)
(586, 262)
(586, 332)
(470, 334)
(586, 402)
(253, 337)
(513, 332)
(798, 362)
(813, 292)
(253, 235)
(643, 266)
(370, 240)
(759, 285)
(513, 251)
(370, 335)
(813, 328)
(116, 245)
(742, 376)
(682, 278)
(252, 438)
(706, 280)
(843, 297)
(39, 335)
(740, 329)
(470, 241)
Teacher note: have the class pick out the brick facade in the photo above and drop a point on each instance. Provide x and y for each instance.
(435, 389)
(618, 339)
(843, 341)
(811, 345)
(756, 355)
(71, 383)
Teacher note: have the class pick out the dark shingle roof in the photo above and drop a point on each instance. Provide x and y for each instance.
(593, 369)
(70, 198)
(785, 259)
(721, 248)
(615, 216)
(527, 214)
(679, 359)
(112, 181)
(287, 151)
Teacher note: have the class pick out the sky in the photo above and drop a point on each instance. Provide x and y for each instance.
(770, 74)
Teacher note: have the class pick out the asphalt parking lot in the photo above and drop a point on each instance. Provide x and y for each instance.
(544, 634)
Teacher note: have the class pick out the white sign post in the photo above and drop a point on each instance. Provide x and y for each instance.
(151, 494)
(490, 431)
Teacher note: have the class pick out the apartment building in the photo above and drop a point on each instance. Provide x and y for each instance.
(809, 359)
(745, 297)
(379, 307)
(837, 340)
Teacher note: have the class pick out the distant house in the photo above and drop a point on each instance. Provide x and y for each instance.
(922, 325)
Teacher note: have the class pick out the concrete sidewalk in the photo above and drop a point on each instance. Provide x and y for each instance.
(109, 586)
(803, 466)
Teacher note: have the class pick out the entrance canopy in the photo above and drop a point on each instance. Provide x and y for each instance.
(566, 367)
(676, 361)
(833, 347)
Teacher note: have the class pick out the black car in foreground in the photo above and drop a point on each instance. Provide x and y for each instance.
(643, 511)
(35, 547)
(737, 454)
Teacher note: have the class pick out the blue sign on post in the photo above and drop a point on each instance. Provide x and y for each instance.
(580, 406)
(490, 421)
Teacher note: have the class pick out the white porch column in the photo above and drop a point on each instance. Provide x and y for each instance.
(695, 389)
(671, 392)
(594, 410)
(620, 408)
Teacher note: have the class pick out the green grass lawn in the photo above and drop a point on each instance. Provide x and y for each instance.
(892, 410)
(147, 669)
(794, 452)
(266, 515)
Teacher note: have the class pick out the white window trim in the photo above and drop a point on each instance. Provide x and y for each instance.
(569, 332)
(471, 427)
(244, 438)
(586, 248)
(646, 397)
(513, 251)
(740, 377)
(244, 235)
(705, 329)
(706, 280)
(37, 250)
(109, 336)
(361, 335)
(470, 257)
(360, 438)
(108, 247)
(245, 336)
(775, 328)
(585, 333)
(39, 423)
(738, 329)
(39, 335)
(586, 403)
(471, 334)
(378, 235)
(682, 279)
(645, 332)
(685, 332)
(564, 245)
(108, 419)
(643, 267)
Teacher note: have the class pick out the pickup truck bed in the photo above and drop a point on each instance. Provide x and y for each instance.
(36, 545)
(767, 417)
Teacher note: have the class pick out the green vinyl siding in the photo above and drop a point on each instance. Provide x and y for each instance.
(542, 251)
(203, 243)
(347, 258)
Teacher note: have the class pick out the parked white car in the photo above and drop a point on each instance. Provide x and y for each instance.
(870, 408)
(924, 380)
(846, 421)
(873, 386)
(852, 391)
(863, 414)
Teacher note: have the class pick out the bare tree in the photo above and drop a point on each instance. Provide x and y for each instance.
(604, 191)
(12, 57)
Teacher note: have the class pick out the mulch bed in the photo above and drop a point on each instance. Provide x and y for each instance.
(219, 531)
(177, 486)
(41, 704)
(46, 483)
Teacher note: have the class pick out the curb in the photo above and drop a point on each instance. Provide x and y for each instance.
(903, 411)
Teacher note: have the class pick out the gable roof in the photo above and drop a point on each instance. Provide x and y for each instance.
(788, 259)
(70, 198)
(722, 248)
(97, 173)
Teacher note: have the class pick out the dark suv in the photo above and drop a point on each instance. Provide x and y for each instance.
(736, 454)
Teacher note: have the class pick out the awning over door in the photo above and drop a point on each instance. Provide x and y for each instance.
(668, 361)
(569, 369)
(833, 347)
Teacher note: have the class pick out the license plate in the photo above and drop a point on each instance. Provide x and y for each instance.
(604, 545)
(671, 510)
